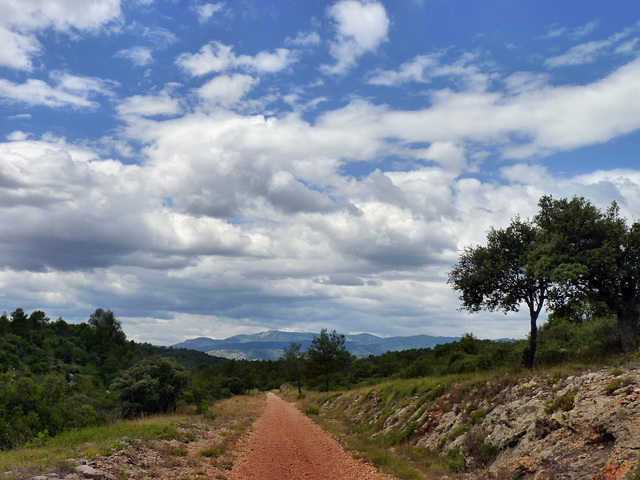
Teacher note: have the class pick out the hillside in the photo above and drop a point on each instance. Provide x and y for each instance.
(583, 425)
(269, 345)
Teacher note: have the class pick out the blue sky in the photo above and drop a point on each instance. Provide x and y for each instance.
(215, 168)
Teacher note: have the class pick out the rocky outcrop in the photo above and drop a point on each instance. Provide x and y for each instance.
(581, 426)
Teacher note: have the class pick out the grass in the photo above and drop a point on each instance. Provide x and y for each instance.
(393, 406)
(103, 440)
(233, 416)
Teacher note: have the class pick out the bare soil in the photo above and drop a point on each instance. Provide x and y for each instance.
(285, 444)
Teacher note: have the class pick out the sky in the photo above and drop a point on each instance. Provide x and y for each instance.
(217, 168)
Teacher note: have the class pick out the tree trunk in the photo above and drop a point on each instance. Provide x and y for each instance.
(628, 326)
(529, 354)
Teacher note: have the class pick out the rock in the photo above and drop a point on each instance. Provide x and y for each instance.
(89, 472)
(503, 436)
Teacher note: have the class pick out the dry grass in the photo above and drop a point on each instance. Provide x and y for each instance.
(171, 436)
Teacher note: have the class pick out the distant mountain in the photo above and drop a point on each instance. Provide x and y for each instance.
(269, 345)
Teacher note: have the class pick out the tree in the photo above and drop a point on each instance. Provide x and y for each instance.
(152, 385)
(327, 355)
(294, 363)
(515, 267)
(108, 330)
(607, 249)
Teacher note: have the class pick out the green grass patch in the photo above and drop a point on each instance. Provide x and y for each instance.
(85, 442)
(213, 451)
(613, 386)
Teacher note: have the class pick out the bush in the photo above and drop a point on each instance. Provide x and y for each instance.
(153, 385)
(477, 416)
(454, 461)
(613, 386)
(564, 402)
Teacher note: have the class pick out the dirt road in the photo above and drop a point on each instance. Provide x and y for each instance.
(286, 445)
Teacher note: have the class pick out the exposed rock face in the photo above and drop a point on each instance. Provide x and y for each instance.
(579, 427)
(585, 426)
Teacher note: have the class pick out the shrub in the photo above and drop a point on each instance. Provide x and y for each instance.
(312, 410)
(564, 402)
(214, 451)
(454, 461)
(477, 416)
(151, 386)
(613, 386)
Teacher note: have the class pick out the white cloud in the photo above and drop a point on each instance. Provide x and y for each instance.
(207, 10)
(150, 105)
(304, 39)
(37, 92)
(217, 57)
(18, 49)
(69, 91)
(140, 56)
(18, 136)
(226, 90)
(575, 33)
(424, 68)
(361, 27)
(20, 20)
(590, 51)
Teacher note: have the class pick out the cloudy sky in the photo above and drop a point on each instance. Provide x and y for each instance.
(210, 169)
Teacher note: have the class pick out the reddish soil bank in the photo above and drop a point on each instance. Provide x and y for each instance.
(286, 445)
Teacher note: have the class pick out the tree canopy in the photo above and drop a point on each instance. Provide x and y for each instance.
(568, 253)
(326, 355)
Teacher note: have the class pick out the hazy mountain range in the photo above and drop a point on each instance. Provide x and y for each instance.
(270, 344)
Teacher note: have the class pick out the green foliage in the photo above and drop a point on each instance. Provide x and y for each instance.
(294, 359)
(564, 402)
(477, 416)
(454, 461)
(613, 386)
(312, 410)
(634, 474)
(327, 356)
(152, 385)
(456, 432)
(214, 451)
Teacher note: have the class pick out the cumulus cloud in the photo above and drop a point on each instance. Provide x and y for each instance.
(19, 21)
(361, 27)
(217, 57)
(226, 90)
(18, 49)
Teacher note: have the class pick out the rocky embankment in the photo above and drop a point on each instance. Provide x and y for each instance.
(582, 426)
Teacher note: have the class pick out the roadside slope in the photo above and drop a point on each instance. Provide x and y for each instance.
(576, 426)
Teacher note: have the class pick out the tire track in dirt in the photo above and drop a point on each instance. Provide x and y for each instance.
(286, 445)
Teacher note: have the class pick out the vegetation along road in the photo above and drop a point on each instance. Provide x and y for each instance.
(287, 445)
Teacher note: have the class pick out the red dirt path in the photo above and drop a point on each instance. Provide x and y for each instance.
(286, 445)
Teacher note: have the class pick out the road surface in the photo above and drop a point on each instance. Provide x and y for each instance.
(286, 445)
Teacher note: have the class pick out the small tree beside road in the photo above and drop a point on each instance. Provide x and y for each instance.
(327, 355)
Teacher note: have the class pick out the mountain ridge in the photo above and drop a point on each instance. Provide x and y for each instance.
(269, 345)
